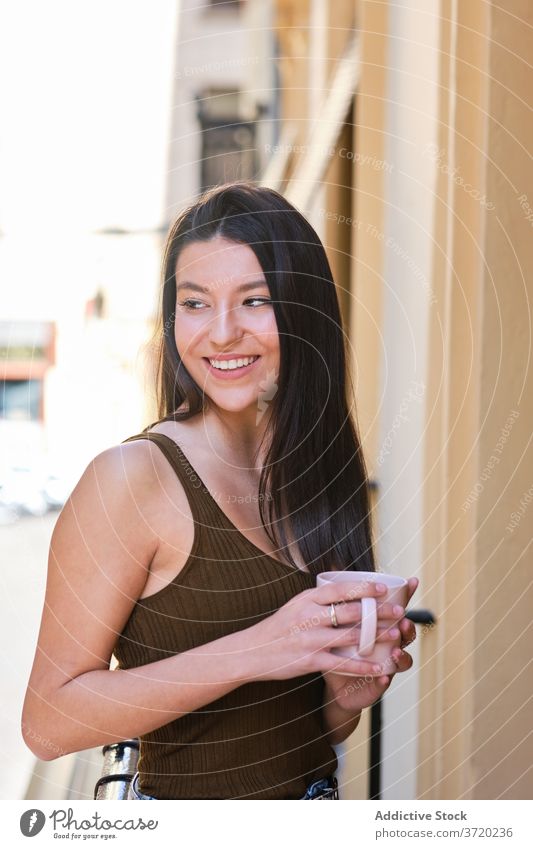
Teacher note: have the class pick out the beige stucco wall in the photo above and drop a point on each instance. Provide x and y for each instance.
(474, 712)
(502, 747)
(473, 717)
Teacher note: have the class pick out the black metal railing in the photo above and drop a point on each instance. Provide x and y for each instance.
(419, 617)
(120, 764)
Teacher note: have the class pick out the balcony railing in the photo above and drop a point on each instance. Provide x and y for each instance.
(120, 764)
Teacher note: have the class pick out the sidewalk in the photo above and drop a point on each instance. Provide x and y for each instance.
(24, 547)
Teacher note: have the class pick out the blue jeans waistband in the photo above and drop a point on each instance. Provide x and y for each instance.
(324, 788)
(134, 792)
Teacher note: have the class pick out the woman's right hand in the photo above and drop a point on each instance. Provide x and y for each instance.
(298, 638)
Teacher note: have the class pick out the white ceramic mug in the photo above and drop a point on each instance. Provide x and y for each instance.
(368, 649)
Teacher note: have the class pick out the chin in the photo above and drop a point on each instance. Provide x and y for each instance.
(228, 405)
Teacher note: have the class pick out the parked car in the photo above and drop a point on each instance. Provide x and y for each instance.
(27, 491)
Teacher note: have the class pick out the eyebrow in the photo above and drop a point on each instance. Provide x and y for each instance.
(245, 287)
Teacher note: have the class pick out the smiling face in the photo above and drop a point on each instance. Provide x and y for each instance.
(225, 328)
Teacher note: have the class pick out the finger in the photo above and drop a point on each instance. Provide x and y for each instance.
(350, 635)
(407, 627)
(412, 586)
(392, 613)
(349, 612)
(385, 635)
(349, 590)
(408, 632)
(333, 663)
(402, 660)
(387, 610)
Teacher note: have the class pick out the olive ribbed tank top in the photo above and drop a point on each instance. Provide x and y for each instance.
(263, 740)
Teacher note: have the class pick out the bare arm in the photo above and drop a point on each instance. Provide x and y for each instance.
(103, 706)
(102, 547)
(338, 722)
(100, 553)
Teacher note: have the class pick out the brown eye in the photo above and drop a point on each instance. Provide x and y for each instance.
(260, 301)
(189, 303)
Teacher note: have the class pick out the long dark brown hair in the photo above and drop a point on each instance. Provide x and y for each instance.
(314, 471)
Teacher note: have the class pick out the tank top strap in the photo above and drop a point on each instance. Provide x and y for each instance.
(204, 508)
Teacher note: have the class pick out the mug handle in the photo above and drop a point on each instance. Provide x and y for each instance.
(369, 624)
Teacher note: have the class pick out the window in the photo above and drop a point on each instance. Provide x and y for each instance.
(228, 141)
(20, 400)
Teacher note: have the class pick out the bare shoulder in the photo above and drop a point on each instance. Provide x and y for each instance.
(107, 516)
(116, 478)
(132, 479)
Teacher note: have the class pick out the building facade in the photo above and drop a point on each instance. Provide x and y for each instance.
(404, 137)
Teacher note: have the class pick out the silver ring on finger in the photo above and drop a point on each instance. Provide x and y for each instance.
(333, 616)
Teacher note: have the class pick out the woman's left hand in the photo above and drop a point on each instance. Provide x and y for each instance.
(356, 694)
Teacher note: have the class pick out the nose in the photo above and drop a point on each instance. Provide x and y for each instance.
(224, 327)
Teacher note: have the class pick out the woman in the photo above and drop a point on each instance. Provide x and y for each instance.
(190, 551)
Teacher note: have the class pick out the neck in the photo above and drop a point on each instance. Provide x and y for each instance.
(239, 435)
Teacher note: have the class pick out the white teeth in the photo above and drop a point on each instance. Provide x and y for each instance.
(230, 364)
